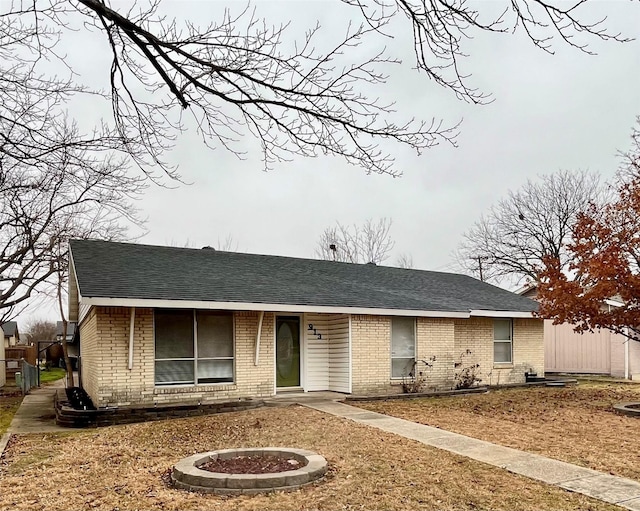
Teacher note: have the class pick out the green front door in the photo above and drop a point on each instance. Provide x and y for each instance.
(287, 351)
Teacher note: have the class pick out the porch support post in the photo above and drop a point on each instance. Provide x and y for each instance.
(257, 356)
(131, 325)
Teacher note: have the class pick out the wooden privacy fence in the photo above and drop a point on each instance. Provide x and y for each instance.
(13, 357)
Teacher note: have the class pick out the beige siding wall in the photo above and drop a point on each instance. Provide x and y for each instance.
(476, 335)
(316, 351)
(326, 352)
(597, 352)
(109, 381)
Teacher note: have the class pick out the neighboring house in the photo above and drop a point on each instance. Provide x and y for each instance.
(598, 352)
(73, 346)
(11, 335)
(169, 325)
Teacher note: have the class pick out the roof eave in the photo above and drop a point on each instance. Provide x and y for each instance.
(501, 314)
(293, 308)
(267, 307)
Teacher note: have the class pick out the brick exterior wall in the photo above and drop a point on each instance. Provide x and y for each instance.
(370, 354)
(441, 342)
(108, 380)
(476, 335)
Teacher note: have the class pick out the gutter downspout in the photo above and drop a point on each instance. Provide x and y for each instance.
(257, 356)
(131, 325)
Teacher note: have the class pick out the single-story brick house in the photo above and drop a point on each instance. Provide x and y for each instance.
(169, 325)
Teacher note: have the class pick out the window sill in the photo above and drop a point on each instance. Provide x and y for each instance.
(204, 387)
(503, 365)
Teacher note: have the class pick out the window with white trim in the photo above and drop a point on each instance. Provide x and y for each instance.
(193, 347)
(502, 341)
(403, 346)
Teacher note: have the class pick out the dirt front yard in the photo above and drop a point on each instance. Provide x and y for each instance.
(125, 467)
(574, 424)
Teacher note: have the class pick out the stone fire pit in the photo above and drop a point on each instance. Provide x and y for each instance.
(632, 409)
(306, 467)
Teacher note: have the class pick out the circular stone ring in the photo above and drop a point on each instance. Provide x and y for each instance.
(188, 475)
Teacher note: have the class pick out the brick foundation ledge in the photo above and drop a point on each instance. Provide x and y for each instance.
(67, 416)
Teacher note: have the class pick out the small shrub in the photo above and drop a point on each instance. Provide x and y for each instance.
(415, 381)
(467, 376)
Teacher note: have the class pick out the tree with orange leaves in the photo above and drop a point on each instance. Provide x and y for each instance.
(605, 265)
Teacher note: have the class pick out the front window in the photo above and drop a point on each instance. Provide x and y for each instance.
(193, 347)
(403, 346)
(502, 341)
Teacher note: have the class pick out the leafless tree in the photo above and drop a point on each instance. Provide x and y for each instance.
(404, 260)
(235, 76)
(55, 184)
(370, 242)
(227, 244)
(529, 224)
(40, 330)
(97, 223)
(46, 200)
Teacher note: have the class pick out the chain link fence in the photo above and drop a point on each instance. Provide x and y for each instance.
(29, 377)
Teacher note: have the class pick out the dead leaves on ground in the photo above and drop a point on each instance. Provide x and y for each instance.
(126, 467)
(575, 424)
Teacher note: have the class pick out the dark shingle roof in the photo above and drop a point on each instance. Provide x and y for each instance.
(71, 328)
(10, 328)
(125, 270)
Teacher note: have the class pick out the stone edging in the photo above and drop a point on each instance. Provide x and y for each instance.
(186, 474)
(67, 416)
(415, 395)
(632, 409)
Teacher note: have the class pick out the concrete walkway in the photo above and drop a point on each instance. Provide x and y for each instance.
(36, 413)
(601, 486)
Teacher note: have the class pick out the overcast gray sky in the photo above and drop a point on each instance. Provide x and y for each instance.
(550, 112)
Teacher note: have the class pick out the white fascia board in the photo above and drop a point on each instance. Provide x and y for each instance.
(500, 314)
(267, 307)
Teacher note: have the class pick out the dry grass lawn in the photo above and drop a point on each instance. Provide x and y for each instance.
(574, 424)
(10, 399)
(124, 468)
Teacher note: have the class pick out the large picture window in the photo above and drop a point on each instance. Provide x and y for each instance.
(403, 346)
(502, 341)
(193, 347)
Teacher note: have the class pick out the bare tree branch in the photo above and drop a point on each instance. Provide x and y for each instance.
(370, 242)
(535, 222)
